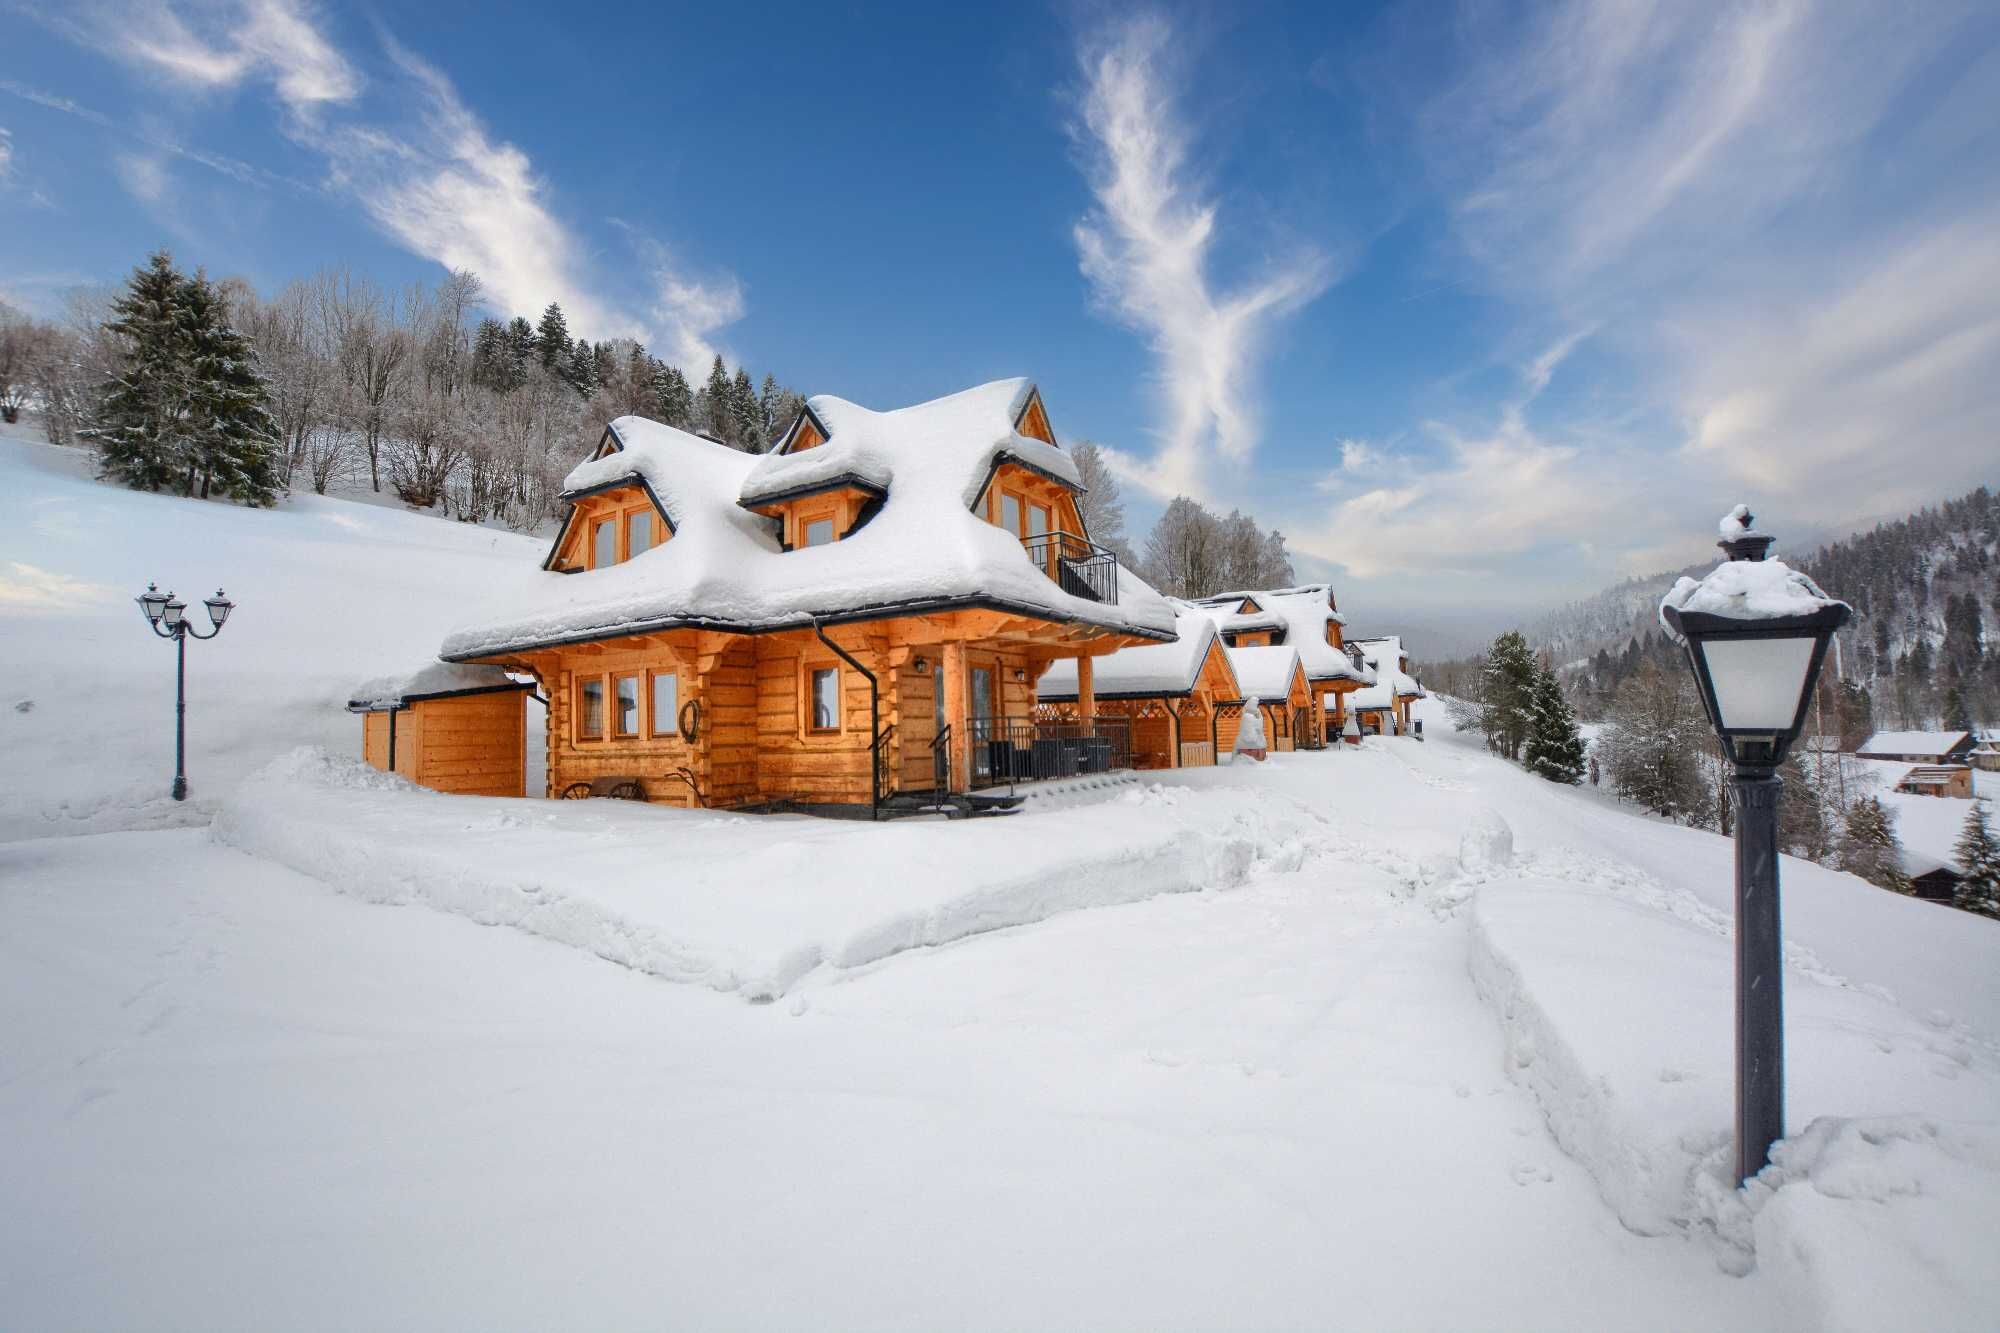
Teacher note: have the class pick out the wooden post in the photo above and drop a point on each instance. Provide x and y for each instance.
(1086, 689)
(952, 671)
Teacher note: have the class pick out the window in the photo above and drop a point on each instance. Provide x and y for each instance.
(819, 532)
(603, 544)
(638, 533)
(1010, 513)
(1038, 520)
(590, 708)
(666, 703)
(626, 720)
(825, 699)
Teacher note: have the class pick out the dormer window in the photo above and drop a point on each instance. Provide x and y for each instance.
(607, 527)
(603, 543)
(638, 532)
(818, 532)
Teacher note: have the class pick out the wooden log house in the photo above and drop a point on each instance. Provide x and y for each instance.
(1383, 708)
(860, 613)
(1177, 697)
(1308, 620)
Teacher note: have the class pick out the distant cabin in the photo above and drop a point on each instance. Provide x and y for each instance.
(1919, 747)
(1986, 757)
(1931, 878)
(1937, 780)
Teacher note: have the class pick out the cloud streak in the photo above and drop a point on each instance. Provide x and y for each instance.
(1145, 249)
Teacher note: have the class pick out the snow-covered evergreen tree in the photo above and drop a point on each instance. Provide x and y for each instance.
(744, 413)
(1508, 678)
(582, 369)
(714, 414)
(1977, 852)
(1869, 846)
(140, 423)
(234, 443)
(1554, 748)
(1652, 746)
(552, 340)
(671, 397)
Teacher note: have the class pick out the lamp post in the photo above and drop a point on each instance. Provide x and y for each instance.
(1756, 634)
(167, 615)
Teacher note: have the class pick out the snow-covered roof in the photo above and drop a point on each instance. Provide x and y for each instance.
(435, 680)
(1912, 742)
(723, 568)
(962, 435)
(1152, 670)
(1264, 671)
(1305, 613)
(1385, 655)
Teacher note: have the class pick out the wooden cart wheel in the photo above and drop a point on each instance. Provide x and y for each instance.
(628, 791)
(576, 791)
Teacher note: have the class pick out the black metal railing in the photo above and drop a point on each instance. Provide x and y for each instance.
(1080, 567)
(1026, 749)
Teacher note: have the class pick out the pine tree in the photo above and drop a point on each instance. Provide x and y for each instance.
(520, 349)
(1869, 846)
(1555, 745)
(1978, 854)
(671, 396)
(770, 402)
(745, 415)
(717, 419)
(140, 425)
(581, 373)
(1508, 679)
(552, 340)
(236, 444)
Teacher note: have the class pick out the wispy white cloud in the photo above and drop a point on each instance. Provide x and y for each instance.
(6, 155)
(143, 176)
(437, 182)
(1146, 247)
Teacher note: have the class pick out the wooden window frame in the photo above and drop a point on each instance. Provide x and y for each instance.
(598, 524)
(812, 511)
(638, 679)
(808, 668)
(673, 727)
(577, 682)
(625, 517)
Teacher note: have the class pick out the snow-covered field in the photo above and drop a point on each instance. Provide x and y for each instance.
(1401, 1038)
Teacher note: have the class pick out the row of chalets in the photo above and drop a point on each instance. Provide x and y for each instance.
(889, 610)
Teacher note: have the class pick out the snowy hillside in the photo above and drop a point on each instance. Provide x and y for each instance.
(1399, 1037)
(328, 593)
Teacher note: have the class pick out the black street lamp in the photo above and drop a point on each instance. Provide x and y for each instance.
(1756, 634)
(167, 614)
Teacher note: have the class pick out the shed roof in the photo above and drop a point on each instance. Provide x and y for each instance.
(1925, 743)
(1146, 671)
(1264, 672)
(435, 680)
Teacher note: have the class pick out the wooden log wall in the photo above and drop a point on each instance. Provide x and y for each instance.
(474, 745)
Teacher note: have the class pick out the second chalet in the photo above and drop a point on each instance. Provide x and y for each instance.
(857, 618)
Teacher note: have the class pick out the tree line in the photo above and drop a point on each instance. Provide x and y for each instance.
(208, 388)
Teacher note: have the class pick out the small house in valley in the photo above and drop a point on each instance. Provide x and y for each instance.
(1931, 879)
(1382, 708)
(1173, 696)
(860, 615)
(451, 728)
(1936, 780)
(1919, 747)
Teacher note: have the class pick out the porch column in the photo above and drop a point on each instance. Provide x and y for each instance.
(952, 670)
(1086, 689)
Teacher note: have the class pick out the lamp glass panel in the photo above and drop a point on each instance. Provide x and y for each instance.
(175, 610)
(218, 610)
(1758, 682)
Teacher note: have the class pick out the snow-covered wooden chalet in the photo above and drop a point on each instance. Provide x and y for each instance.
(1382, 708)
(860, 615)
(1306, 619)
(1176, 697)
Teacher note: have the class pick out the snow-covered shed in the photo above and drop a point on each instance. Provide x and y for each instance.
(1174, 695)
(1306, 619)
(1931, 878)
(448, 726)
(863, 611)
(1383, 706)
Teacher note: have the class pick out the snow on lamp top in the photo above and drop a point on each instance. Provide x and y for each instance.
(1747, 585)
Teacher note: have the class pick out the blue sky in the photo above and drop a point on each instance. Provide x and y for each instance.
(1485, 307)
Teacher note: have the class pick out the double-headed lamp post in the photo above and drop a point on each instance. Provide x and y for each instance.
(1756, 634)
(167, 614)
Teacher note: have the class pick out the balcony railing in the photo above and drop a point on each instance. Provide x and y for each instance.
(1025, 749)
(1079, 567)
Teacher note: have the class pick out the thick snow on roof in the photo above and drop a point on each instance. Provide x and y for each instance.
(958, 437)
(1304, 613)
(1747, 590)
(1264, 672)
(723, 565)
(1151, 669)
(1911, 742)
(387, 692)
(1391, 682)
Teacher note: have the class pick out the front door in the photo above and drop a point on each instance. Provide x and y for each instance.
(981, 727)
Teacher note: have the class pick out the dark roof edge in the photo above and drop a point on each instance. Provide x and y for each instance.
(369, 706)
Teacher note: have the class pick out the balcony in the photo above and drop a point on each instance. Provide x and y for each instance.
(1005, 750)
(1078, 566)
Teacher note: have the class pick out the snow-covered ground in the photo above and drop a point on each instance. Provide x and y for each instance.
(1396, 1038)
(1928, 825)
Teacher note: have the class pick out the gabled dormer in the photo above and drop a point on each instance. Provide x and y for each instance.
(608, 523)
(821, 514)
(1032, 421)
(807, 431)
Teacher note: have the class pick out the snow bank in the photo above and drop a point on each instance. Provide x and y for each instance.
(741, 903)
(1615, 995)
(386, 692)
